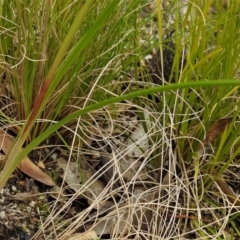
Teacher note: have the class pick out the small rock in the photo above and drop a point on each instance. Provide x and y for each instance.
(54, 156)
(14, 189)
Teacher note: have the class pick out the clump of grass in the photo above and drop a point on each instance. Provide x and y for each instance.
(63, 62)
(52, 62)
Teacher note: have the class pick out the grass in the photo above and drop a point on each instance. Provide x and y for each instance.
(69, 68)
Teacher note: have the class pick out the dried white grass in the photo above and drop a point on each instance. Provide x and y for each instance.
(170, 209)
(161, 211)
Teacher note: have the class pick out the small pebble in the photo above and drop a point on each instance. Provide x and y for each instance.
(46, 150)
(54, 156)
(14, 189)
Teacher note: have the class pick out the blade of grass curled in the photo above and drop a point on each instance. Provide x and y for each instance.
(18, 157)
(104, 103)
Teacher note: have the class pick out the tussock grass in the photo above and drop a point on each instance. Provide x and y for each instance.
(98, 79)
